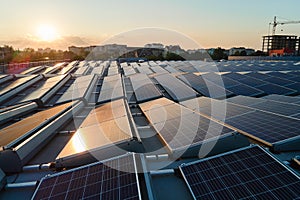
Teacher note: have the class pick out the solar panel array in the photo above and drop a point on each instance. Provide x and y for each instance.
(109, 129)
(111, 179)
(44, 89)
(249, 173)
(282, 108)
(144, 88)
(263, 126)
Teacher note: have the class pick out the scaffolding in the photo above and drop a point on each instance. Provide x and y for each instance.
(289, 44)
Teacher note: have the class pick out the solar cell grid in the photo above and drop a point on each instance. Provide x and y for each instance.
(111, 179)
(278, 81)
(268, 127)
(245, 90)
(249, 173)
(189, 129)
(276, 89)
(278, 107)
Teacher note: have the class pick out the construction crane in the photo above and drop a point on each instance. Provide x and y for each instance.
(275, 23)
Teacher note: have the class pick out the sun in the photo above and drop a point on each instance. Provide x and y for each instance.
(46, 33)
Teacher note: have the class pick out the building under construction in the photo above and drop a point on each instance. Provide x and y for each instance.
(281, 45)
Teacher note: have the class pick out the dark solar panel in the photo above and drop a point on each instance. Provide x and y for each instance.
(268, 127)
(235, 76)
(278, 107)
(111, 179)
(205, 87)
(257, 75)
(282, 75)
(249, 173)
(276, 89)
(215, 108)
(278, 81)
(294, 86)
(254, 82)
(246, 90)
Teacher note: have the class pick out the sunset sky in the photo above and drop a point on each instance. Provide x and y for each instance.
(210, 23)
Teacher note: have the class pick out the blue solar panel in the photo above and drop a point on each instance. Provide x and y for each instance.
(111, 179)
(246, 90)
(267, 127)
(276, 89)
(249, 173)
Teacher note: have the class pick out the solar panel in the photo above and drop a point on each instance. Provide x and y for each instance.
(248, 173)
(204, 86)
(111, 89)
(175, 88)
(144, 70)
(98, 70)
(276, 89)
(267, 127)
(51, 85)
(294, 86)
(282, 75)
(217, 109)
(257, 75)
(70, 67)
(186, 130)
(235, 76)
(278, 81)
(282, 98)
(245, 101)
(25, 81)
(158, 70)
(254, 82)
(80, 88)
(245, 90)
(22, 129)
(278, 107)
(115, 178)
(179, 127)
(107, 125)
(5, 77)
(144, 88)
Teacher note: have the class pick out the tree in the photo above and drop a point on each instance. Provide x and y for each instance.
(219, 54)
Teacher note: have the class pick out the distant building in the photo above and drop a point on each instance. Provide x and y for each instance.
(280, 45)
(174, 49)
(5, 53)
(239, 50)
(46, 50)
(76, 50)
(154, 45)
